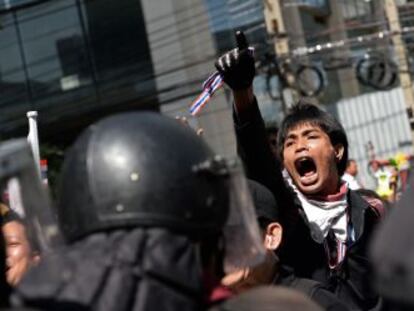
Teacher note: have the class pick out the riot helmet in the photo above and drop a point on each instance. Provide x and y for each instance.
(137, 169)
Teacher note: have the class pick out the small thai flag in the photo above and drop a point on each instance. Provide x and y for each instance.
(211, 85)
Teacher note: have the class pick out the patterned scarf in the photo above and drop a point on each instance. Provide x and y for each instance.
(324, 214)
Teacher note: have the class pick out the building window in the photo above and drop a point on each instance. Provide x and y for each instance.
(353, 9)
(11, 4)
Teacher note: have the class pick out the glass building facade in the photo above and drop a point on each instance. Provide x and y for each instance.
(73, 61)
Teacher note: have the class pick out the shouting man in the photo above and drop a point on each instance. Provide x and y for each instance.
(327, 225)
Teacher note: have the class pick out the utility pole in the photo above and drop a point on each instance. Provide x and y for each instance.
(391, 11)
(277, 31)
(275, 26)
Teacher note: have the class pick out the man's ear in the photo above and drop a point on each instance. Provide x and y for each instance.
(273, 236)
(339, 152)
(35, 259)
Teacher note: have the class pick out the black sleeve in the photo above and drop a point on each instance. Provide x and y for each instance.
(260, 165)
(255, 152)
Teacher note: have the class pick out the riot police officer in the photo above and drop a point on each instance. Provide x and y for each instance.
(151, 218)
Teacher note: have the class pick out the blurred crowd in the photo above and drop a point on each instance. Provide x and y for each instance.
(148, 217)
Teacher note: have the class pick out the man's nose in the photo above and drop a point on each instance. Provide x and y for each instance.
(301, 145)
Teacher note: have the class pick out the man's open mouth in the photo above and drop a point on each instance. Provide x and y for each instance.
(306, 168)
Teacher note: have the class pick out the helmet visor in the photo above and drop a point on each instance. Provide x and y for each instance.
(243, 241)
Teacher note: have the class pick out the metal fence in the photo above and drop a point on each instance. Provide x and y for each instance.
(377, 117)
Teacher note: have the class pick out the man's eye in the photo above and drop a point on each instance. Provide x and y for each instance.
(288, 143)
(313, 137)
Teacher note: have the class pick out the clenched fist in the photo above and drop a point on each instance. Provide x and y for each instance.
(237, 66)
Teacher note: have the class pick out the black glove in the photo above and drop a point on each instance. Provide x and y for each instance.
(237, 66)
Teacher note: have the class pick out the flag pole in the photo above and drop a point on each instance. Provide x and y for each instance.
(33, 138)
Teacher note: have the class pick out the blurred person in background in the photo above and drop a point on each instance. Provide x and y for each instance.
(350, 175)
(386, 178)
(19, 254)
(400, 166)
(5, 288)
(267, 217)
(391, 174)
(402, 162)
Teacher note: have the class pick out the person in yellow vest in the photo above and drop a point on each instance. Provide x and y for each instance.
(399, 167)
(402, 161)
(386, 180)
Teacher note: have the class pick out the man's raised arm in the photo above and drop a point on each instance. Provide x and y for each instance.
(238, 70)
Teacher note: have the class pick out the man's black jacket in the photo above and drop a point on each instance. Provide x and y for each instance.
(299, 251)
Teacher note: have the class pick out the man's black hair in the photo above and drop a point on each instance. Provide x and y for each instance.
(264, 203)
(304, 112)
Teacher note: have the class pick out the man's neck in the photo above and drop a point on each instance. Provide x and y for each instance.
(336, 195)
